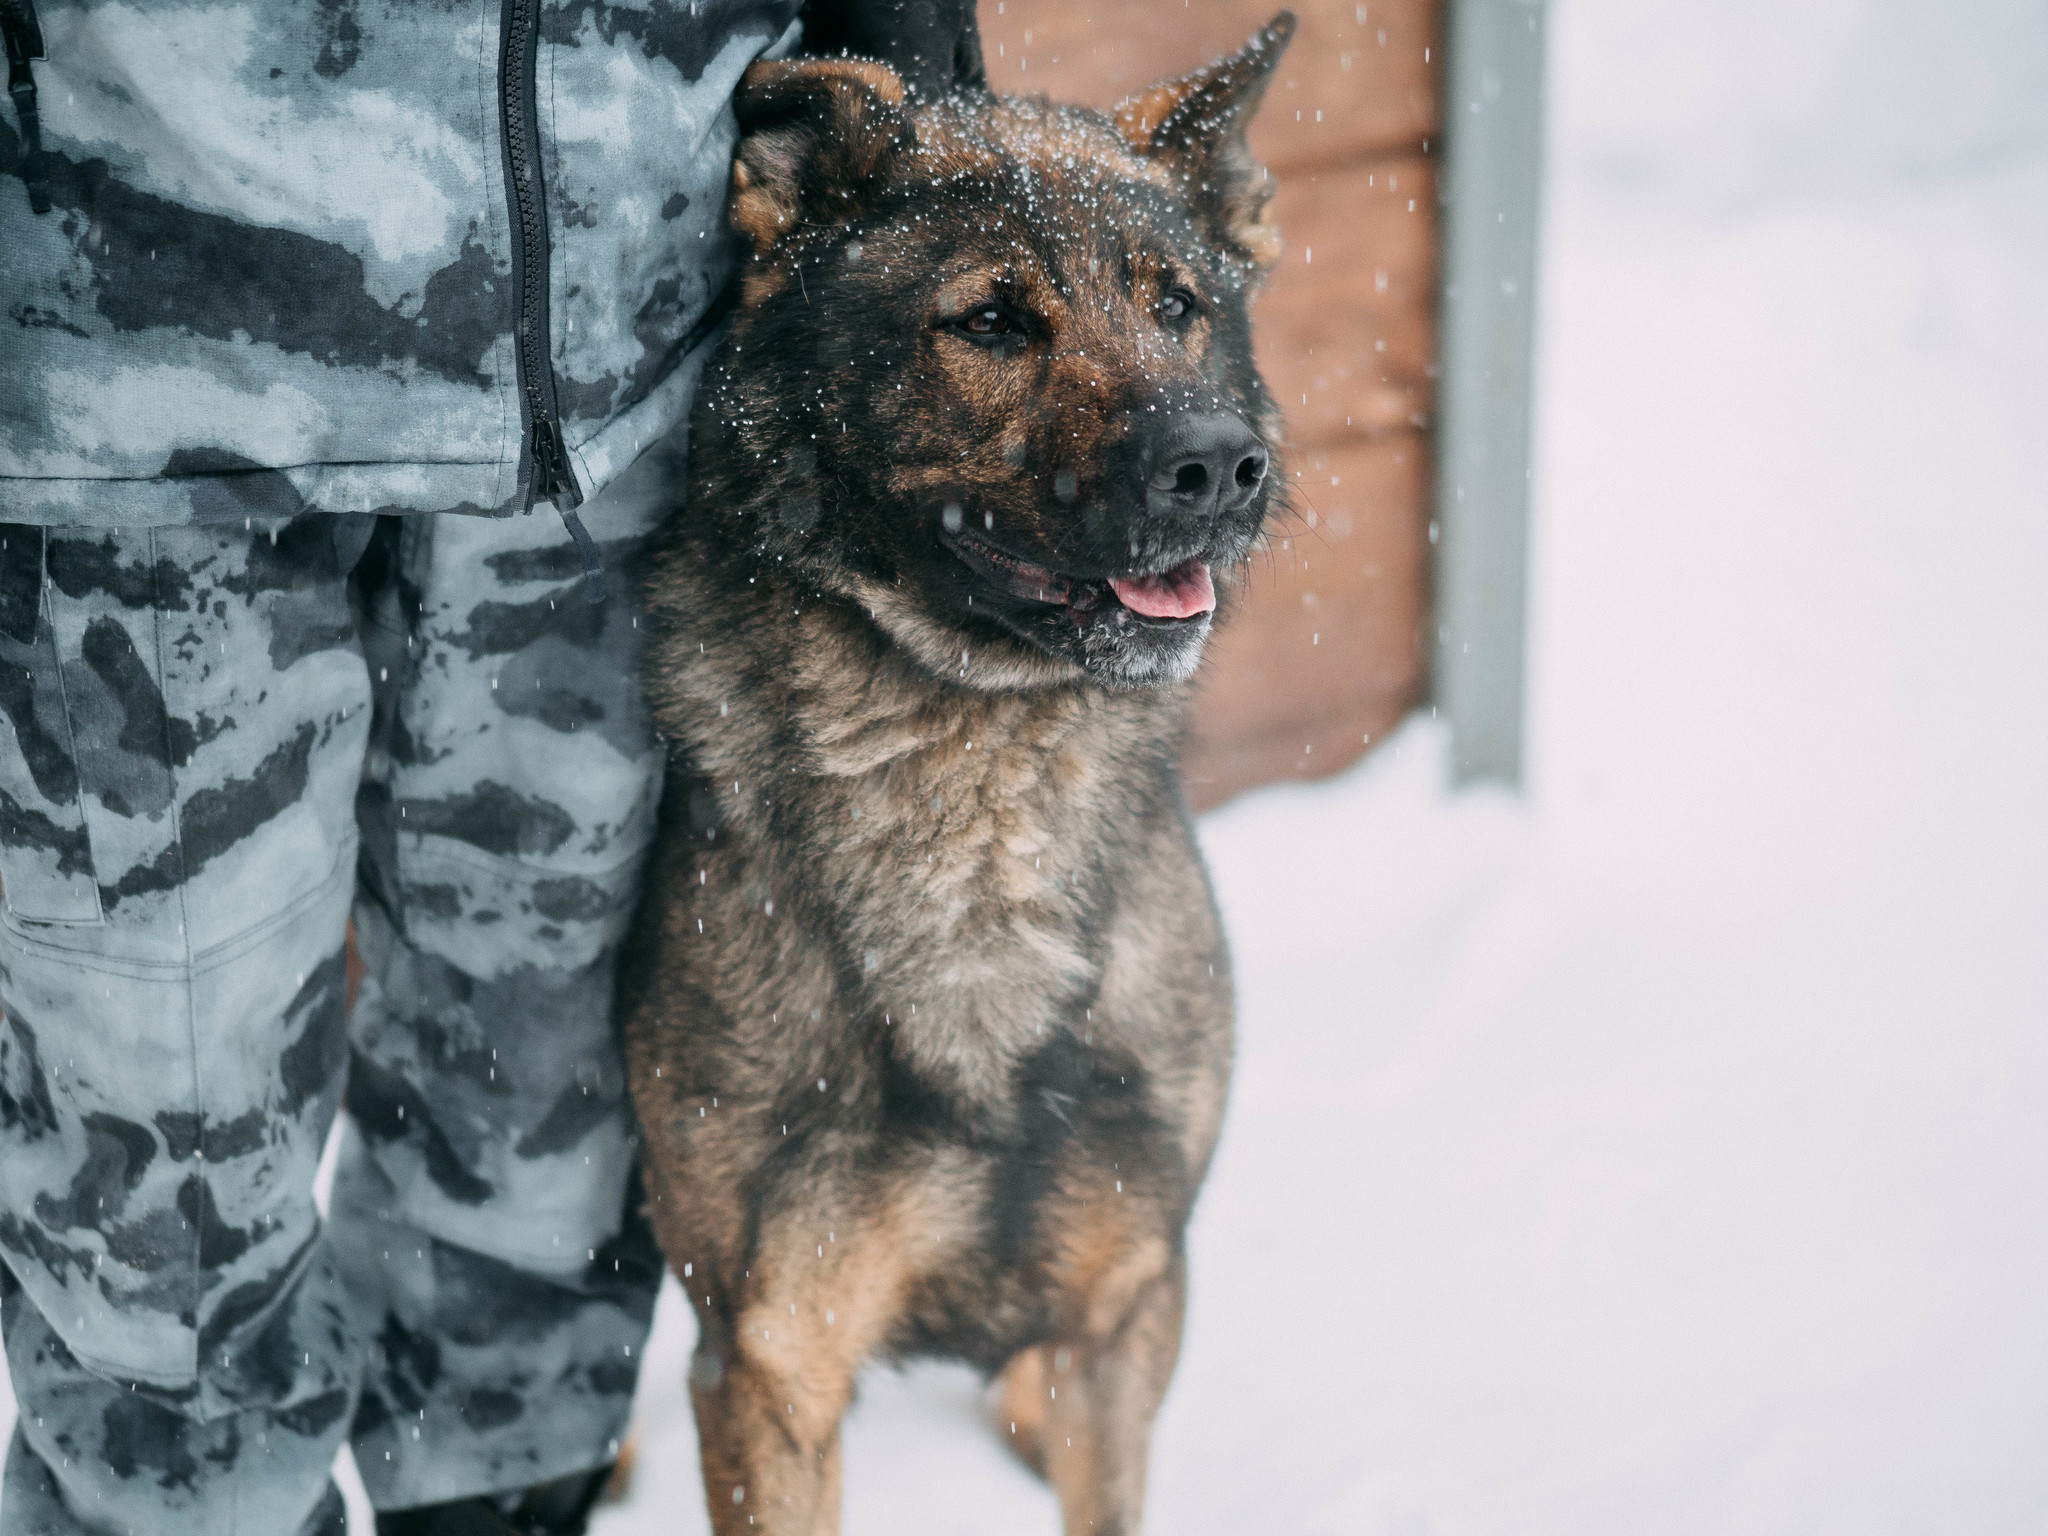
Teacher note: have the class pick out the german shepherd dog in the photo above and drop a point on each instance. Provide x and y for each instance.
(928, 1008)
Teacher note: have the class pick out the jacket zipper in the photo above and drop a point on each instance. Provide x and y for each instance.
(24, 40)
(550, 477)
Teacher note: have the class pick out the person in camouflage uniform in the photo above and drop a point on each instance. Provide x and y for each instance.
(284, 286)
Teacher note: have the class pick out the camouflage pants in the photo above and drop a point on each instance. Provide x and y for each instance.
(223, 738)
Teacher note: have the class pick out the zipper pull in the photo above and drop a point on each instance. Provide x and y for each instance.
(554, 481)
(24, 38)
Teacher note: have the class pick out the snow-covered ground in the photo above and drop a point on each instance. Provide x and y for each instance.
(1665, 1151)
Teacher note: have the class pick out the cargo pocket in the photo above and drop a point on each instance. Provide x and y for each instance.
(46, 868)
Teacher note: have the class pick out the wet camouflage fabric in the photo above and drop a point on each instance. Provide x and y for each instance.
(280, 241)
(486, 1198)
(257, 1471)
(218, 738)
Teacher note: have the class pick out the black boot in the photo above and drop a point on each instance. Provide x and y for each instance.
(558, 1508)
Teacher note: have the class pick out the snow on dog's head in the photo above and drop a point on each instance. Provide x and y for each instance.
(994, 364)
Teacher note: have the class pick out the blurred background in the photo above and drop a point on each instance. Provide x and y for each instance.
(1635, 751)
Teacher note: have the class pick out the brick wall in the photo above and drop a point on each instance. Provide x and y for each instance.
(1327, 654)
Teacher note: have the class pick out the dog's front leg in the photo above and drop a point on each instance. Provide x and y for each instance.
(1091, 1393)
(769, 1393)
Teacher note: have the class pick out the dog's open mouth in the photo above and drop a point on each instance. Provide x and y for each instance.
(1182, 592)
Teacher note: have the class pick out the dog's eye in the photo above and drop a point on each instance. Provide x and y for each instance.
(987, 322)
(1177, 305)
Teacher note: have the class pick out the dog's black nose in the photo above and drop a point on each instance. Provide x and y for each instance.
(1203, 466)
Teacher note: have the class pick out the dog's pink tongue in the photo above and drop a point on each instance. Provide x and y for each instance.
(1180, 593)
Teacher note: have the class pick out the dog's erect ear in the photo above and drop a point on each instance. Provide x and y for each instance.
(816, 136)
(1197, 124)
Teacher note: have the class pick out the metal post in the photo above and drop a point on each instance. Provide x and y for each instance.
(1493, 130)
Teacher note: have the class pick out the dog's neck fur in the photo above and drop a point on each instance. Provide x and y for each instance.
(957, 871)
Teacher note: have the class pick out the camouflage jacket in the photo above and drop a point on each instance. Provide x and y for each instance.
(417, 255)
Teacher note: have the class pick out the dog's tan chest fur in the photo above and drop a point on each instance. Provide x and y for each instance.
(945, 847)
